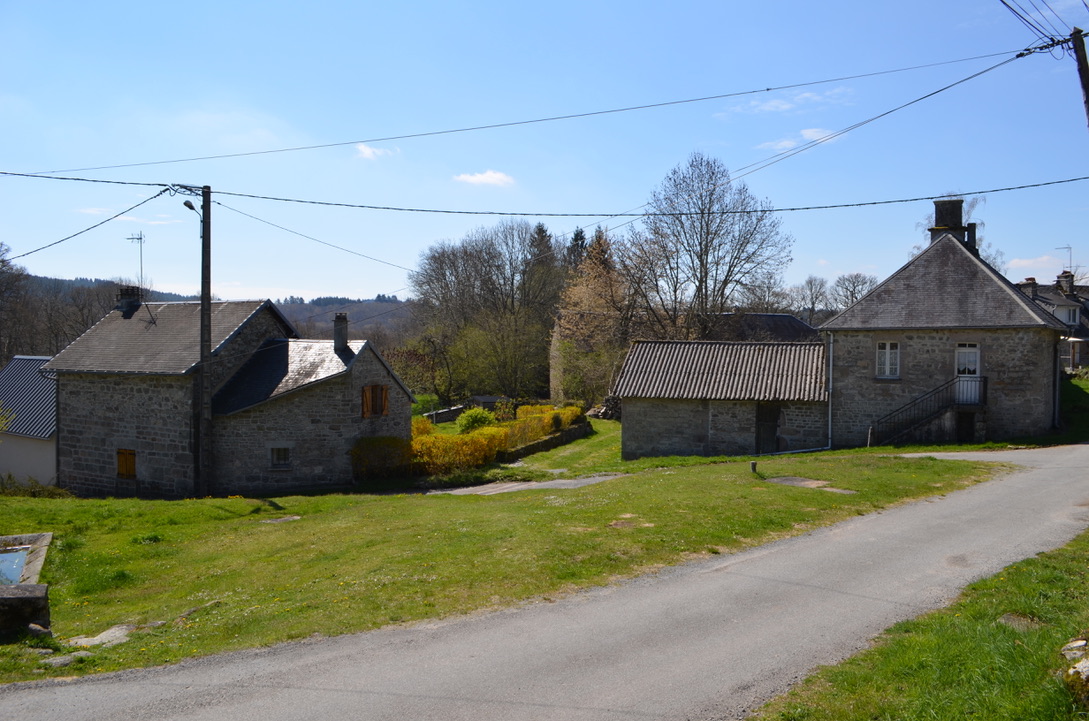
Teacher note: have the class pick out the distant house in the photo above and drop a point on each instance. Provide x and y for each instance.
(721, 398)
(28, 400)
(945, 349)
(285, 411)
(763, 327)
(1069, 303)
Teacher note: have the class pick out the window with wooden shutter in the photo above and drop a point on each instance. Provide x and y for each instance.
(126, 463)
(375, 401)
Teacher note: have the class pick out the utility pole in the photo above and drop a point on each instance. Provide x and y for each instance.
(1078, 40)
(138, 238)
(204, 480)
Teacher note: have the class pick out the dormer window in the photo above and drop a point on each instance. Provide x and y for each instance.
(1069, 316)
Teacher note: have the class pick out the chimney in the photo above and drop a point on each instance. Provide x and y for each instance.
(340, 332)
(128, 300)
(948, 218)
(1029, 286)
(1066, 282)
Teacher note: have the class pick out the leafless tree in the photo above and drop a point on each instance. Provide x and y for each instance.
(704, 237)
(987, 251)
(810, 297)
(849, 288)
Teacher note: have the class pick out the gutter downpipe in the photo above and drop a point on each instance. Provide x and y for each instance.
(831, 358)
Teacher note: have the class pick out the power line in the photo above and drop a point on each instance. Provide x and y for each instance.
(494, 126)
(107, 220)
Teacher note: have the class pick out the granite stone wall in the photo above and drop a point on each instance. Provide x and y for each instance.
(318, 426)
(1019, 365)
(659, 427)
(149, 414)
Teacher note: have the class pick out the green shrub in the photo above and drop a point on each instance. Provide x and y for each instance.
(475, 418)
(31, 488)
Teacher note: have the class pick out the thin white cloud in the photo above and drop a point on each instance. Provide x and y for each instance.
(817, 134)
(368, 153)
(488, 177)
(778, 145)
(796, 101)
(1041, 266)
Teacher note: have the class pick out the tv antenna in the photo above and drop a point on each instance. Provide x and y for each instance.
(138, 238)
(1069, 257)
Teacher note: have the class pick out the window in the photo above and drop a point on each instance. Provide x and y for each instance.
(279, 457)
(126, 463)
(888, 359)
(375, 401)
(1070, 316)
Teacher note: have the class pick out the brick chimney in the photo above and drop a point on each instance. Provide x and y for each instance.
(340, 332)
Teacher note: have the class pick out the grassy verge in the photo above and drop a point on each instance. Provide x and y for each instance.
(221, 578)
(992, 655)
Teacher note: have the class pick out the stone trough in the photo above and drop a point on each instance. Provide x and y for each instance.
(23, 601)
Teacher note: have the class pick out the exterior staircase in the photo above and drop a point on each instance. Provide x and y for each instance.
(962, 392)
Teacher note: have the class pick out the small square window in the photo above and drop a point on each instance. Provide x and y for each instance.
(375, 401)
(280, 457)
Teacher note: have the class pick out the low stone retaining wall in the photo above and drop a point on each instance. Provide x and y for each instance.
(567, 435)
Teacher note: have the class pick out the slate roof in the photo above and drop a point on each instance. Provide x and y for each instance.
(719, 370)
(283, 365)
(158, 338)
(764, 327)
(29, 396)
(945, 286)
(1051, 298)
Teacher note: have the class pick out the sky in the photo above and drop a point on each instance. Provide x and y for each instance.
(358, 96)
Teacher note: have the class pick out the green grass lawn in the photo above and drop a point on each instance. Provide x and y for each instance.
(356, 562)
(222, 578)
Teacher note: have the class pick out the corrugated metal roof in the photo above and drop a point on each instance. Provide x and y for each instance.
(701, 370)
(29, 396)
(158, 338)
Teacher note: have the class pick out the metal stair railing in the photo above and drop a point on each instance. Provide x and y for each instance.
(960, 391)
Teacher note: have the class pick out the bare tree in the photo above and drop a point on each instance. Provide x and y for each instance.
(488, 304)
(987, 251)
(810, 297)
(704, 237)
(764, 293)
(849, 289)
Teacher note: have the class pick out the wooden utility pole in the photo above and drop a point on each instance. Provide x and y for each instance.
(1078, 40)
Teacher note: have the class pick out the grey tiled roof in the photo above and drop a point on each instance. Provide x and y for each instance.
(283, 365)
(159, 338)
(707, 370)
(29, 396)
(945, 286)
(280, 366)
(767, 327)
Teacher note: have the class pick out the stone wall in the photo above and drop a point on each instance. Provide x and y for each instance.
(152, 415)
(241, 346)
(658, 427)
(1019, 365)
(318, 424)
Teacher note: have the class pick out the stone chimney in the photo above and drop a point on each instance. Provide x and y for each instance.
(949, 218)
(1029, 286)
(340, 332)
(1065, 281)
(128, 300)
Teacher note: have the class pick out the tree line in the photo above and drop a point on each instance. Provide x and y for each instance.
(513, 310)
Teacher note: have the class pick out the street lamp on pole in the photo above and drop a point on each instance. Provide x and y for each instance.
(203, 485)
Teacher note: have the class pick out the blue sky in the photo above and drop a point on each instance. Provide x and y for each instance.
(84, 86)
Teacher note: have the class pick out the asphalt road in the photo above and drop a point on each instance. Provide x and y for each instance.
(708, 640)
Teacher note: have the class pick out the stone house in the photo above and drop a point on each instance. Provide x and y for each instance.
(1069, 303)
(285, 411)
(722, 398)
(945, 349)
(28, 400)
